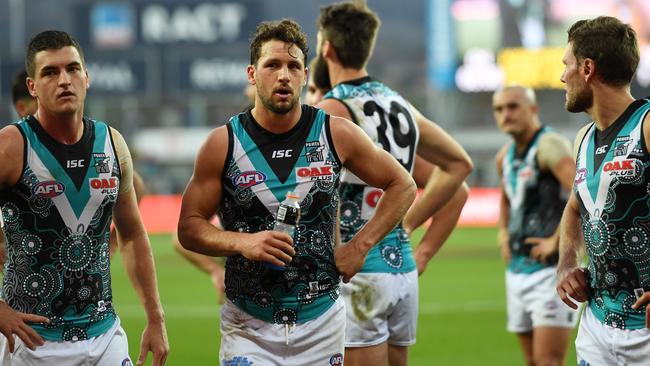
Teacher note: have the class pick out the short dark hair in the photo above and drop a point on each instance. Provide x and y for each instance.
(320, 74)
(48, 40)
(19, 89)
(351, 29)
(611, 44)
(285, 30)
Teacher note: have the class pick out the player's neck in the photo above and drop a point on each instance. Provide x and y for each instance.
(523, 140)
(339, 74)
(609, 104)
(65, 128)
(274, 122)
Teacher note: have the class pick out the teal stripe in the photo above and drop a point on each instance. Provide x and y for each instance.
(77, 198)
(304, 312)
(630, 125)
(512, 179)
(314, 135)
(514, 173)
(259, 162)
(592, 170)
(257, 159)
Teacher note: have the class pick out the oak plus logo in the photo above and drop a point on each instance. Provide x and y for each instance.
(315, 173)
(105, 185)
(48, 189)
(621, 168)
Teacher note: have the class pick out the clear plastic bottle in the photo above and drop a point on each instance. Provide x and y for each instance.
(286, 219)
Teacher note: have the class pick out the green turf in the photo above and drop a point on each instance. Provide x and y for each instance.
(462, 307)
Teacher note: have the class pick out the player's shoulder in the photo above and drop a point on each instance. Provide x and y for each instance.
(334, 107)
(553, 140)
(502, 153)
(217, 139)
(11, 138)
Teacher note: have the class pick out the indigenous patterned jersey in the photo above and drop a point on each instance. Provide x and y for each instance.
(57, 220)
(387, 119)
(614, 194)
(536, 202)
(260, 168)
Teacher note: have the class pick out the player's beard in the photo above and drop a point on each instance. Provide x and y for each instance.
(580, 101)
(278, 108)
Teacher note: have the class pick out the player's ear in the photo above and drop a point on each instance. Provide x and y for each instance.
(31, 87)
(250, 71)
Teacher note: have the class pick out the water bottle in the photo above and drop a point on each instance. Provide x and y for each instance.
(286, 219)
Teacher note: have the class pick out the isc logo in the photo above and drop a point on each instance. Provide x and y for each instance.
(102, 183)
(248, 178)
(277, 154)
(48, 189)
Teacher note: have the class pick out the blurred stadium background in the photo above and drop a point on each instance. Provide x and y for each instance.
(164, 72)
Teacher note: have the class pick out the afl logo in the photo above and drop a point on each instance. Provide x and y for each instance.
(336, 360)
(48, 189)
(248, 179)
(581, 175)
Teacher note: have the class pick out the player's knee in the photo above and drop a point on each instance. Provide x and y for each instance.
(548, 359)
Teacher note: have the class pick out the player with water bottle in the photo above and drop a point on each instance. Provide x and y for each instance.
(286, 219)
(283, 157)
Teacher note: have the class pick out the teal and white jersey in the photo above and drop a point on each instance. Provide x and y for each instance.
(260, 168)
(612, 184)
(387, 119)
(536, 200)
(57, 220)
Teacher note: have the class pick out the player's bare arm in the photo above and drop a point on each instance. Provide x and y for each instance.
(379, 169)
(572, 280)
(443, 221)
(442, 224)
(135, 250)
(440, 149)
(14, 323)
(554, 155)
(201, 200)
(503, 236)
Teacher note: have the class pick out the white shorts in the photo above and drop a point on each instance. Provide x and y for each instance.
(108, 349)
(381, 307)
(599, 344)
(246, 340)
(532, 302)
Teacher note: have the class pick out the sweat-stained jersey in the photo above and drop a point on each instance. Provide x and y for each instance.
(56, 223)
(260, 168)
(387, 119)
(612, 184)
(536, 201)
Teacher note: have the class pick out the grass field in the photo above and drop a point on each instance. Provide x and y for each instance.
(462, 307)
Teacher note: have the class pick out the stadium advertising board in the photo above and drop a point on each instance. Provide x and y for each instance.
(489, 43)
